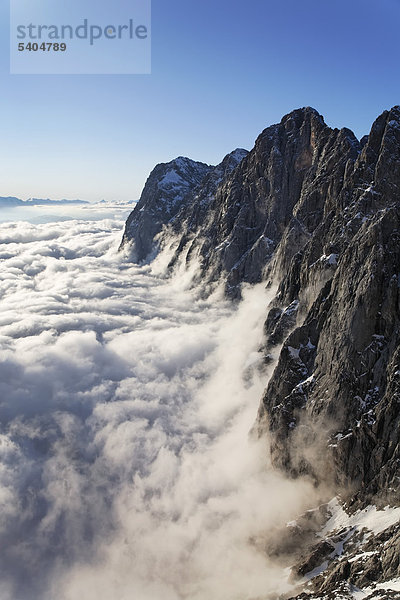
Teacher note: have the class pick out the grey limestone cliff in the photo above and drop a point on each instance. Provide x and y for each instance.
(318, 212)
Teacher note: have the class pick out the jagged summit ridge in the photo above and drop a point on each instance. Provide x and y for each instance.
(295, 140)
(286, 175)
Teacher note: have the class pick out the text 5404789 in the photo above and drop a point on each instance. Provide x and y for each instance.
(44, 47)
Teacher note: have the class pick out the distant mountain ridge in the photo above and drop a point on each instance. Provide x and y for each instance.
(316, 211)
(10, 201)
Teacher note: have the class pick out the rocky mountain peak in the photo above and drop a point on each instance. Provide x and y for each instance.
(301, 117)
(175, 192)
(163, 195)
(228, 164)
(236, 217)
(374, 176)
(175, 178)
(231, 160)
(294, 140)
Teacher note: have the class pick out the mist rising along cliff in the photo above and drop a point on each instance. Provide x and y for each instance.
(317, 212)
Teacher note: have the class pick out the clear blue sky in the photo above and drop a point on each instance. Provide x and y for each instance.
(222, 70)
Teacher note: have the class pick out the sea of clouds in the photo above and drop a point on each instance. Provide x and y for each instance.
(126, 468)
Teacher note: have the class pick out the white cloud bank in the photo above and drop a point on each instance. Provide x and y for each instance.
(126, 470)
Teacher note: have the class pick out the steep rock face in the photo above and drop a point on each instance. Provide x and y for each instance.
(317, 212)
(315, 209)
(166, 189)
(282, 188)
(336, 372)
(194, 214)
(333, 403)
(234, 221)
(175, 199)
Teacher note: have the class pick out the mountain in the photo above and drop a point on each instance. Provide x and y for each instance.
(11, 201)
(171, 189)
(46, 201)
(165, 191)
(317, 212)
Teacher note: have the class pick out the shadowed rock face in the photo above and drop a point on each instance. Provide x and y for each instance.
(332, 405)
(337, 370)
(174, 192)
(292, 173)
(318, 212)
(235, 219)
(162, 197)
